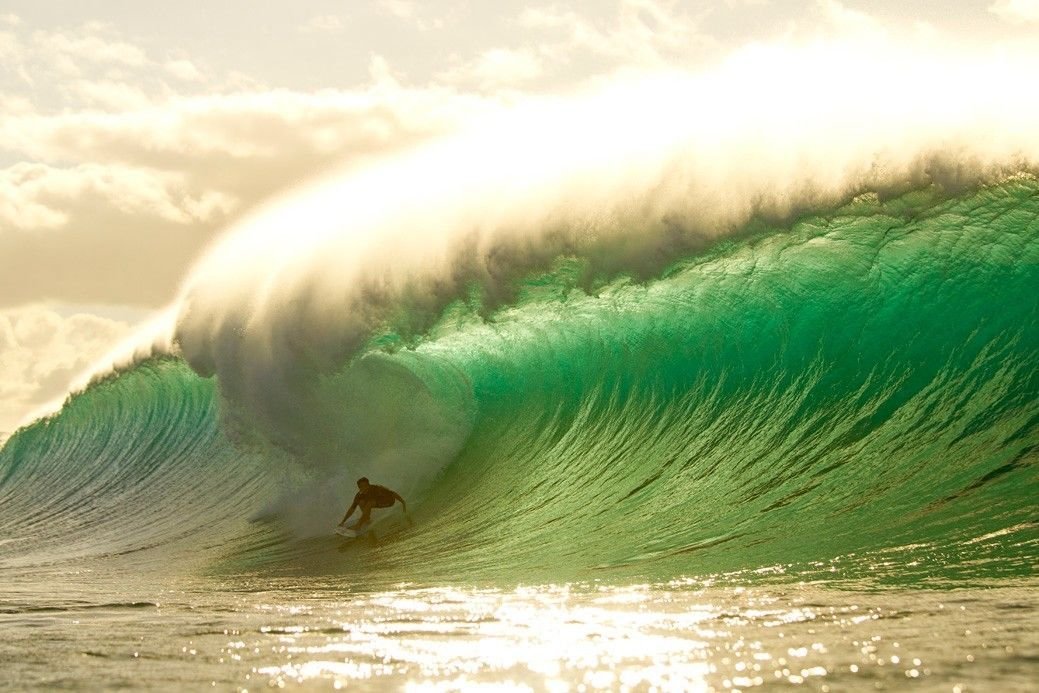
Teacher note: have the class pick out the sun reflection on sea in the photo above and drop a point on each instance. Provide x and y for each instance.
(563, 638)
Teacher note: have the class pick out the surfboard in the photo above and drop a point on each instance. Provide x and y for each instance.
(391, 524)
(350, 533)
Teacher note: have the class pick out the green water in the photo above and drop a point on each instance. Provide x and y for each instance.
(866, 380)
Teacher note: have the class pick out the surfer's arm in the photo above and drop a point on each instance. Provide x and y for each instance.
(398, 497)
(353, 506)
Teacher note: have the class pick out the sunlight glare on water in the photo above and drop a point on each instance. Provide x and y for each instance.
(677, 636)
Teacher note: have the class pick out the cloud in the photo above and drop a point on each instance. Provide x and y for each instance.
(113, 206)
(1016, 11)
(402, 9)
(128, 164)
(643, 32)
(847, 20)
(107, 94)
(12, 58)
(497, 68)
(37, 196)
(407, 10)
(90, 43)
(92, 67)
(42, 351)
(323, 24)
(244, 129)
(184, 70)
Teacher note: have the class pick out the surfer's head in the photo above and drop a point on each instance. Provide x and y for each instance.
(362, 483)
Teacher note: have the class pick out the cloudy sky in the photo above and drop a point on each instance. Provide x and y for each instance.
(132, 133)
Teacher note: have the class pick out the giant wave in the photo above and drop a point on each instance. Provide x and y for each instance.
(781, 341)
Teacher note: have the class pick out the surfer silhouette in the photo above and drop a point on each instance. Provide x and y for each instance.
(371, 496)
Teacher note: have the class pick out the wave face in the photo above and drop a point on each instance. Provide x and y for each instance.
(135, 463)
(856, 392)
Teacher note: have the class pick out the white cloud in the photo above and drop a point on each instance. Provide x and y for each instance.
(12, 58)
(496, 68)
(323, 24)
(1016, 11)
(92, 67)
(644, 32)
(20, 206)
(279, 124)
(49, 61)
(117, 205)
(37, 196)
(107, 94)
(41, 352)
(184, 70)
(402, 9)
(14, 104)
(407, 11)
(848, 20)
(381, 73)
(88, 44)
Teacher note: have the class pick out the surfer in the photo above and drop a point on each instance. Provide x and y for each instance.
(371, 496)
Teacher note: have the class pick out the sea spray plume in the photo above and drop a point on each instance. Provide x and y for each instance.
(628, 178)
